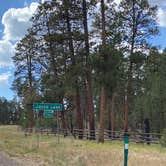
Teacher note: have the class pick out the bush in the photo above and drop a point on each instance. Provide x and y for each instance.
(163, 139)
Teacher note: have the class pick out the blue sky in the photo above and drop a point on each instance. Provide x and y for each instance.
(14, 21)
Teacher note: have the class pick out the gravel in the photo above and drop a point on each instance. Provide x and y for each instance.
(6, 161)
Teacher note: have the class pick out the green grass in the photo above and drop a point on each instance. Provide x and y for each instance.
(71, 152)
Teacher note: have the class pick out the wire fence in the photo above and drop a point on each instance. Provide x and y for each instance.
(135, 137)
(139, 154)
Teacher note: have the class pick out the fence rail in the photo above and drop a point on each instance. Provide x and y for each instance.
(136, 137)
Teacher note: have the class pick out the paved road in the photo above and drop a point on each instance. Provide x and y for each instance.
(5, 161)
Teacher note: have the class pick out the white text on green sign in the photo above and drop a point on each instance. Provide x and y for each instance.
(47, 106)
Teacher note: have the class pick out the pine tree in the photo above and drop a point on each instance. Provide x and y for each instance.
(89, 92)
(63, 40)
(107, 31)
(139, 23)
(25, 83)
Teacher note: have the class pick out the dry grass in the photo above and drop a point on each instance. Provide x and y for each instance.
(70, 152)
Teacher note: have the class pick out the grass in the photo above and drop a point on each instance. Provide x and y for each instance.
(71, 152)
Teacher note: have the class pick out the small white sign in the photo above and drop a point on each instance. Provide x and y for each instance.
(126, 146)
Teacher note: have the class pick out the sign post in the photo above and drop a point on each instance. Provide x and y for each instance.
(48, 109)
(37, 129)
(126, 146)
(57, 117)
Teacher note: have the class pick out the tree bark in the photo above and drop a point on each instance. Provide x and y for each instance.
(63, 123)
(71, 49)
(129, 84)
(113, 115)
(109, 116)
(30, 89)
(102, 107)
(102, 92)
(79, 114)
(90, 106)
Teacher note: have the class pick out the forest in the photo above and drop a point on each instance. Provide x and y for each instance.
(94, 57)
(10, 111)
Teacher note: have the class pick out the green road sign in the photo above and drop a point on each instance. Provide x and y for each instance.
(47, 106)
(48, 114)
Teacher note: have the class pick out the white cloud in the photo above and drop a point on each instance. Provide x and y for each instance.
(161, 14)
(158, 2)
(17, 21)
(161, 11)
(6, 52)
(4, 77)
(117, 1)
(162, 17)
(46, 1)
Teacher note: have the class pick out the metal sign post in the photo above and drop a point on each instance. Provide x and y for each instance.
(57, 120)
(126, 146)
(48, 109)
(37, 129)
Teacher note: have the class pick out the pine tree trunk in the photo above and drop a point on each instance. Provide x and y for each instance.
(31, 118)
(113, 115)
(102, 110)
(90, 106)
(102, 92)
(84, 107)
(109, 116)
(130, 74)
(79, 114)
(63, 123)
(30, 89)
(71, 48)
(127, 100)
(71, 124)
